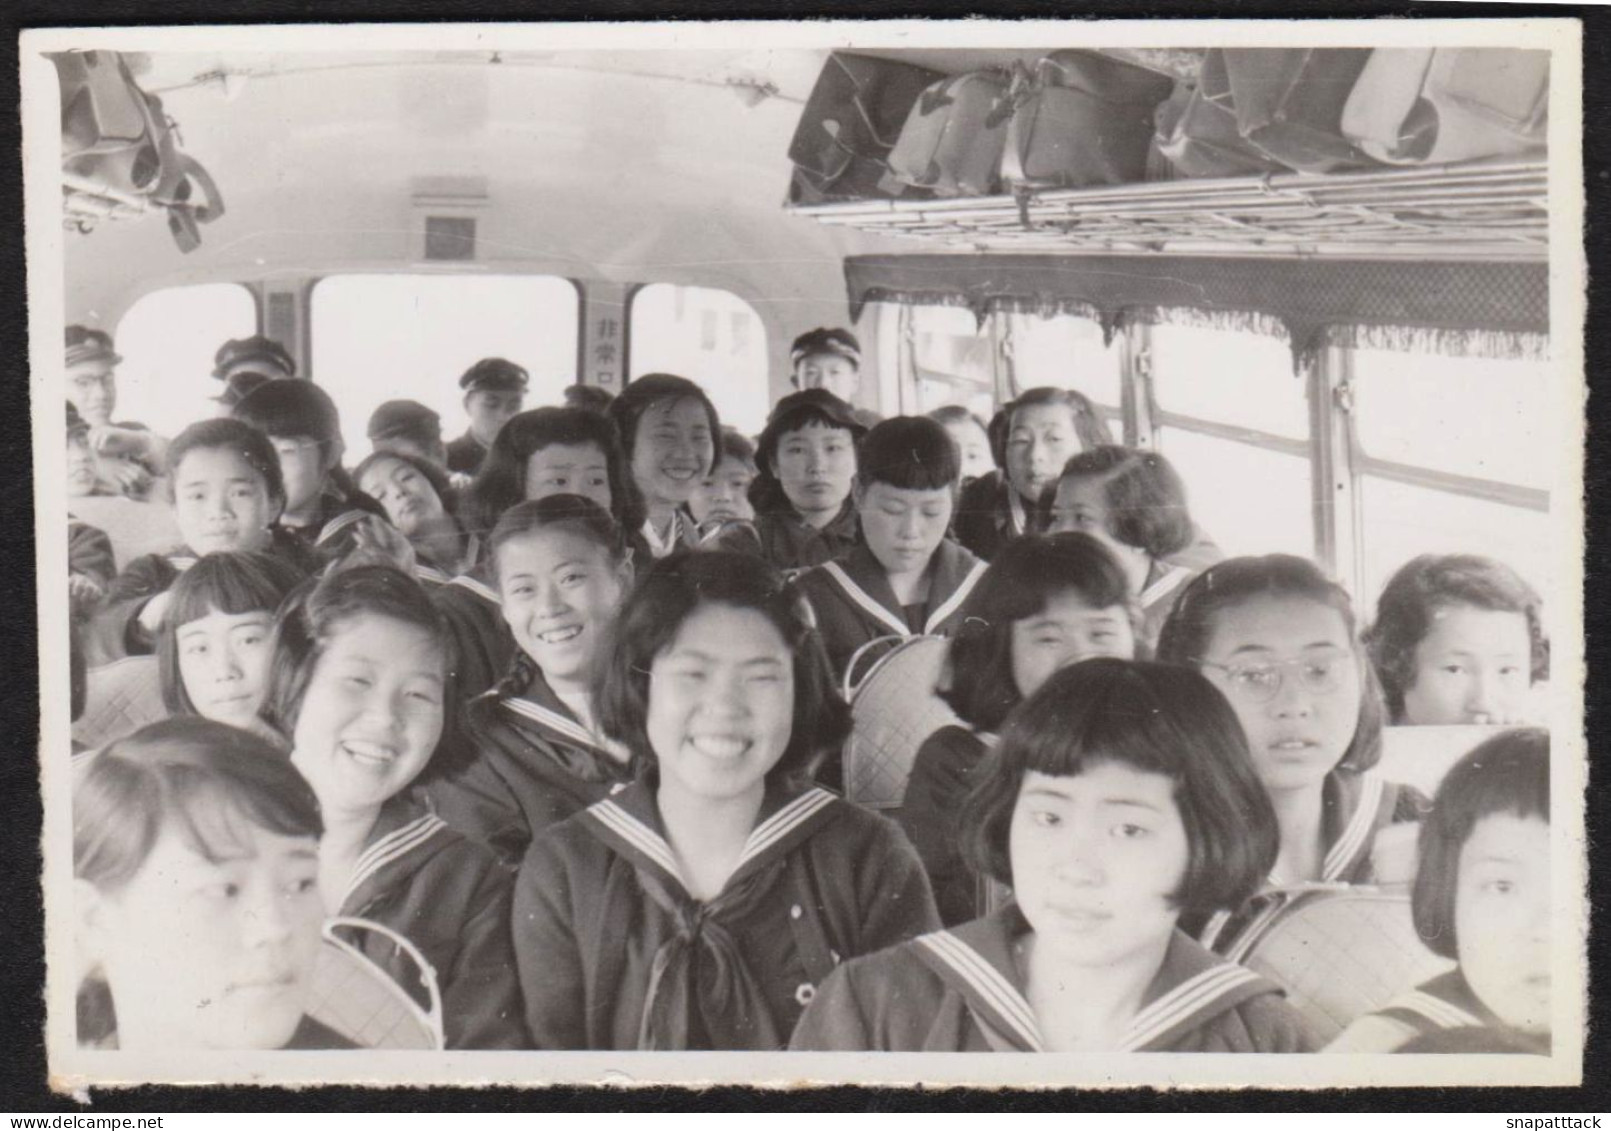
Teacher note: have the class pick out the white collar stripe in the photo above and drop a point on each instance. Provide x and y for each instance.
(465, 581)
(960, 594)
(338, 524)
(990, 984)
(182, 562)
(1166, 584)
(781, 823)
(1446, 1015)
(1354, 836)
(430, 573)
(869, 606)
(1015, 508)
(1180, 1002)
(553, 720)
(637, 834)
(661, 547)
(394, 844)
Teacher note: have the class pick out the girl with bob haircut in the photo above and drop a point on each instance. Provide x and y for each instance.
(1120, 798)
(805, 473)
(1038, 432)
(361, 688)
(195, 861)
(546, 451)
(562, 570)
(699, 907)
(227, 494)
(1482, 899)
(214, 649)
(906, 577)
(1458, 639)
(420, 502)
(1277, 637)
(669, 430)
(1046, 602)
(1134, 502)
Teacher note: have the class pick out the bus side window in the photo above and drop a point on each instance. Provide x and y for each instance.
(712, 337)
(167, 340)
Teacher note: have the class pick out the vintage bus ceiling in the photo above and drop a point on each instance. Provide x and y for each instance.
(628, 166)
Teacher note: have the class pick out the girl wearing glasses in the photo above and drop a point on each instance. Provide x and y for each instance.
(1278, 639)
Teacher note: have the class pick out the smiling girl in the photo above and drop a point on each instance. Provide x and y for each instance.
(1121, 797)
(361, 688)
(561, 571)
(699, 907)
(668, 429)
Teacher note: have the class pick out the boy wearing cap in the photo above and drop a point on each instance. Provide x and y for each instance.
(127, 454)
(494, 390)
(830, 358)
(243, 364)
(408, 428)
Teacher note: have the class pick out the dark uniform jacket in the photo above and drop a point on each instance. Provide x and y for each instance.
(942, 774)
(787, 541)
(465, 454)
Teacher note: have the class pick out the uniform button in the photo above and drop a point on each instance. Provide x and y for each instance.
(795, 912)
(804, 992)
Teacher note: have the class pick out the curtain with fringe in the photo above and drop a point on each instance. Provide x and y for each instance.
(1460, 309)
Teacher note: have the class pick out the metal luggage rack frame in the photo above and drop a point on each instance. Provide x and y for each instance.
(1470, 211)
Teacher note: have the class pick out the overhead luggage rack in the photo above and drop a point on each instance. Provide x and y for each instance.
(1472, 211)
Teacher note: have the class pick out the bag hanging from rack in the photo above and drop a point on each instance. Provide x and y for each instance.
(1289, 103)
(953, 138)
(112, 131)
(1196, 133)
(1081, 119)
(1420, 106)
(849, 125)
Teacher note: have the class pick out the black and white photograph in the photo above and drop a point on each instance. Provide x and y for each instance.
(775, 552)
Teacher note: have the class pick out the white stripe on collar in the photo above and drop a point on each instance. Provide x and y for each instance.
(869, 606)
(182, 562)
(336, 525)
(989, 982)
(1190, 997)
(660, 548)
(1443, 1014)
(779, 824)
(1015, 509)
(479, 588)
(431, 573)
(390, 847)
(1359, 827)
(639, 835)
(1165, 585)
(554, 721)
(954, 601)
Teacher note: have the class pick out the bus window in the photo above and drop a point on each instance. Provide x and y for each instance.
(1248, 499)
(710, 336)
(384, 337)
(167, 340)
(1068, 353)
(1228, 377)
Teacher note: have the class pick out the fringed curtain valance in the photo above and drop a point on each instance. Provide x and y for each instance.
(1464, 309)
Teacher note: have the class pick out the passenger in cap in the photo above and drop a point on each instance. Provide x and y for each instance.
(409, 428)
(830, 358)
(242, 364)
(128, 456)
(494, 390)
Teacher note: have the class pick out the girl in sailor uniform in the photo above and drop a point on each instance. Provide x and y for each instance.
(1278, 639)
(1481, 899)
(227, 495)
(1120, 798)
(669, 431)
(419, 502)
(699, 907)
(361, 687)
(216, 641)
(195, 860)
(546, 451)
(906, 578)
(1046, 602)
(561, 570)
(1134, 502)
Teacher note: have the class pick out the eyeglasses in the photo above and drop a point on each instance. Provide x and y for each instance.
(1262, 682)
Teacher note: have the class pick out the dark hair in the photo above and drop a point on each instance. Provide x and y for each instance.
(950, 414)
(910, 452)
(574, 513)
(1026, 574)
(501, 481)
(77, 426)
(1144, 496)
(996, 430)
(1088, 426)
(315, 613)
(290, 406)
(654, 614)
(237, 436)
(649, 390)
(590, 397)
(1186, 634)
(229, 583)
(181, 773)
(1509, 773)
(804, 409)
(1430, 583)
(734, 445)
(432, 473)
(1155, 718)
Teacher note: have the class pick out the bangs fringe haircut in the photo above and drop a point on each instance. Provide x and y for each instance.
(912, 453)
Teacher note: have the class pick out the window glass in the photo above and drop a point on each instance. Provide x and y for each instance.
(1229, 377)
(383, 337)
(1249, 500)
(1404, 520)
(1067, 353)
(167, 340)
(710, 336)
(1481, 417)
(952, 354)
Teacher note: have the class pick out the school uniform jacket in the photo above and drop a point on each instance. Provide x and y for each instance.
(450, 897)
(1445, 1002)
(482, 643)
(942, 774)
(615, 954)
(534, 765)
(855, 604)
(1355, 807)
(960, 991)
(787, 541)
(684, 535)
(1163, 587)
(465, 454)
